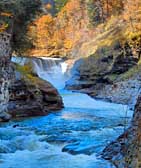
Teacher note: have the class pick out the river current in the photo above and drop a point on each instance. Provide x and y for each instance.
(70, 138)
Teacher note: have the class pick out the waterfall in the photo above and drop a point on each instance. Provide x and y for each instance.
(53, 70)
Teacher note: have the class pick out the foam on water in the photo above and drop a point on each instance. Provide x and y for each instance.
(50, 159)
(41, 154)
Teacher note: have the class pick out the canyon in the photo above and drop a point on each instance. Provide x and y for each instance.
(72, 95)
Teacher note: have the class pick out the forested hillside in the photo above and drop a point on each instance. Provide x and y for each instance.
(79, 28)
(15, 15)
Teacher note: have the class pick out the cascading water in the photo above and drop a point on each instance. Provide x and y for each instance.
(71, 138)
(50, 69)
(53, 70)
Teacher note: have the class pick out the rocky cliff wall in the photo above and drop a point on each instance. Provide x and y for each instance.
(23, 97)
(5, 74)
(125, 152)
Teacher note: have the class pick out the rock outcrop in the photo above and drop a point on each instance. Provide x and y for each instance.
(104, 75)
(32, 96)
(5, 74)
(23, 97)
(125, 152)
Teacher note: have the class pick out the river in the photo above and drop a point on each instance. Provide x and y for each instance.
(70, 138)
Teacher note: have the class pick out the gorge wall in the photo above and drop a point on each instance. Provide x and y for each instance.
(125, 152)
(23, 94)
(5, 74)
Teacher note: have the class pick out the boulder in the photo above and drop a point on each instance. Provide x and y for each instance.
(32, 96)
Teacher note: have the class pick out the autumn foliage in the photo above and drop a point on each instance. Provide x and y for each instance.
(58, 35)
(84, 25)
(5, 17)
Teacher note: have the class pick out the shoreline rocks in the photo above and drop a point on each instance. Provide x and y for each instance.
(124, 92)
(111, 74)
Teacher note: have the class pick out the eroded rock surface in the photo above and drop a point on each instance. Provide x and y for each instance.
(28, 96)
(5, 74)
(33, 97)
(125, 152)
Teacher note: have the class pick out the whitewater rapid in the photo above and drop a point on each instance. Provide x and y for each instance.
(70, 138)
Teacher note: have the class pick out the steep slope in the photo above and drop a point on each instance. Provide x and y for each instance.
(59, 35)
(81, 27)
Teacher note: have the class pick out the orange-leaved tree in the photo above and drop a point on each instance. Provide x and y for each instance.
(41, 31)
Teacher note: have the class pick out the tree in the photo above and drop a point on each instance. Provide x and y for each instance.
(59, 4)
(44, 27)
(22, 12)
(100, 10)
(132, 14)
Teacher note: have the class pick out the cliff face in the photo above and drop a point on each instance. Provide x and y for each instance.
(5, 74)
(125, 152)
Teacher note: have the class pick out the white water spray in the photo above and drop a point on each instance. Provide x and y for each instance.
(52, 70)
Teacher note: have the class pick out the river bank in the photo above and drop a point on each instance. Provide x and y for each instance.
(105, 81)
